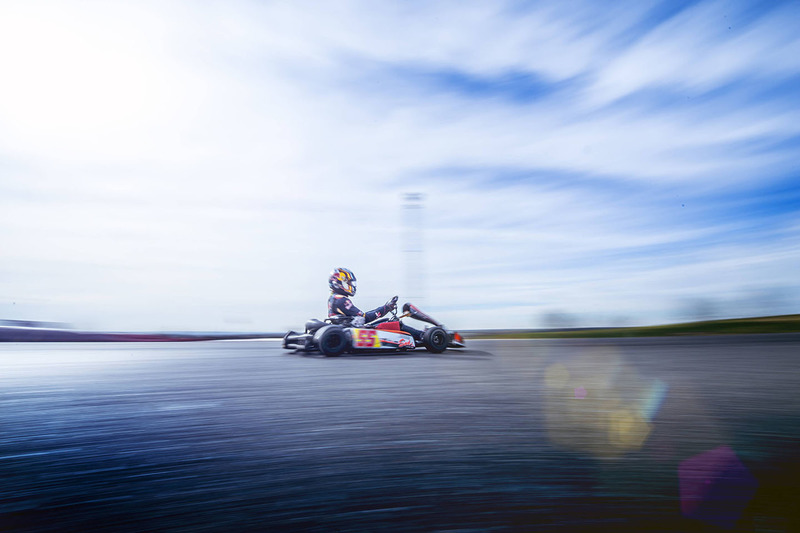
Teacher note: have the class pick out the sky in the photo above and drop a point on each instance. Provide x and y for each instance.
(203, 166)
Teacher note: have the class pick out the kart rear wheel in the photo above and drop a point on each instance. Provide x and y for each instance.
(331, 340)
(435, 339)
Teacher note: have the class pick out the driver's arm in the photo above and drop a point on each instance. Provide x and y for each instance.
(378, 312)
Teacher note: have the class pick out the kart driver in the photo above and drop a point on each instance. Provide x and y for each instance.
(342, 282)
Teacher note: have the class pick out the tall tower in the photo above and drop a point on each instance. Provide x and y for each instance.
(413, 250)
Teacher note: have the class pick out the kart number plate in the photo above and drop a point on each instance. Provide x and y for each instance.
(366, 338)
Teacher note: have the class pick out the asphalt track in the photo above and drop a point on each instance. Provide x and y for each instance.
(688, 434)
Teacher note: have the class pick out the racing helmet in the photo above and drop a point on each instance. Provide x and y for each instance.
(342, 281)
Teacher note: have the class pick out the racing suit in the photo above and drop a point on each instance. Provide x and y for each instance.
(340, 305)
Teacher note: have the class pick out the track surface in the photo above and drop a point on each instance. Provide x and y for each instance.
(506, 436)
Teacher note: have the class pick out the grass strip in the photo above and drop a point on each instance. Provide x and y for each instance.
(733, 326)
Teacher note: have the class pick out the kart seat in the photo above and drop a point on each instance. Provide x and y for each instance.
(313, 325)
(394, 325)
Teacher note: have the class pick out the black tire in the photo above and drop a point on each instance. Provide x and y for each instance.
(435, 339)
(331, 340)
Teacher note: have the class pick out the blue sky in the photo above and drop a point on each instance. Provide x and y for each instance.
(204, 166)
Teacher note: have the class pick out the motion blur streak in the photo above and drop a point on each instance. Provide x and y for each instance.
(242, 436)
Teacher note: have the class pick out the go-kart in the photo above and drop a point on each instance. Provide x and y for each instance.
(337, 335)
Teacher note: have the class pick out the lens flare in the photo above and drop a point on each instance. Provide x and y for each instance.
(715, 487)
(627, 430)
(656, 395)
(556, 376)
(617, 408)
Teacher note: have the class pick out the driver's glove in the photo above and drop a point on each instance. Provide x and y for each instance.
(391, 305)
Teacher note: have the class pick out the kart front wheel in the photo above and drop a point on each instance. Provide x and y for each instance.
(435, 339)
(331, 340)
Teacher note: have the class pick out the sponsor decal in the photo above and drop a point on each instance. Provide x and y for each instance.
(405, 343)
(366, 338)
